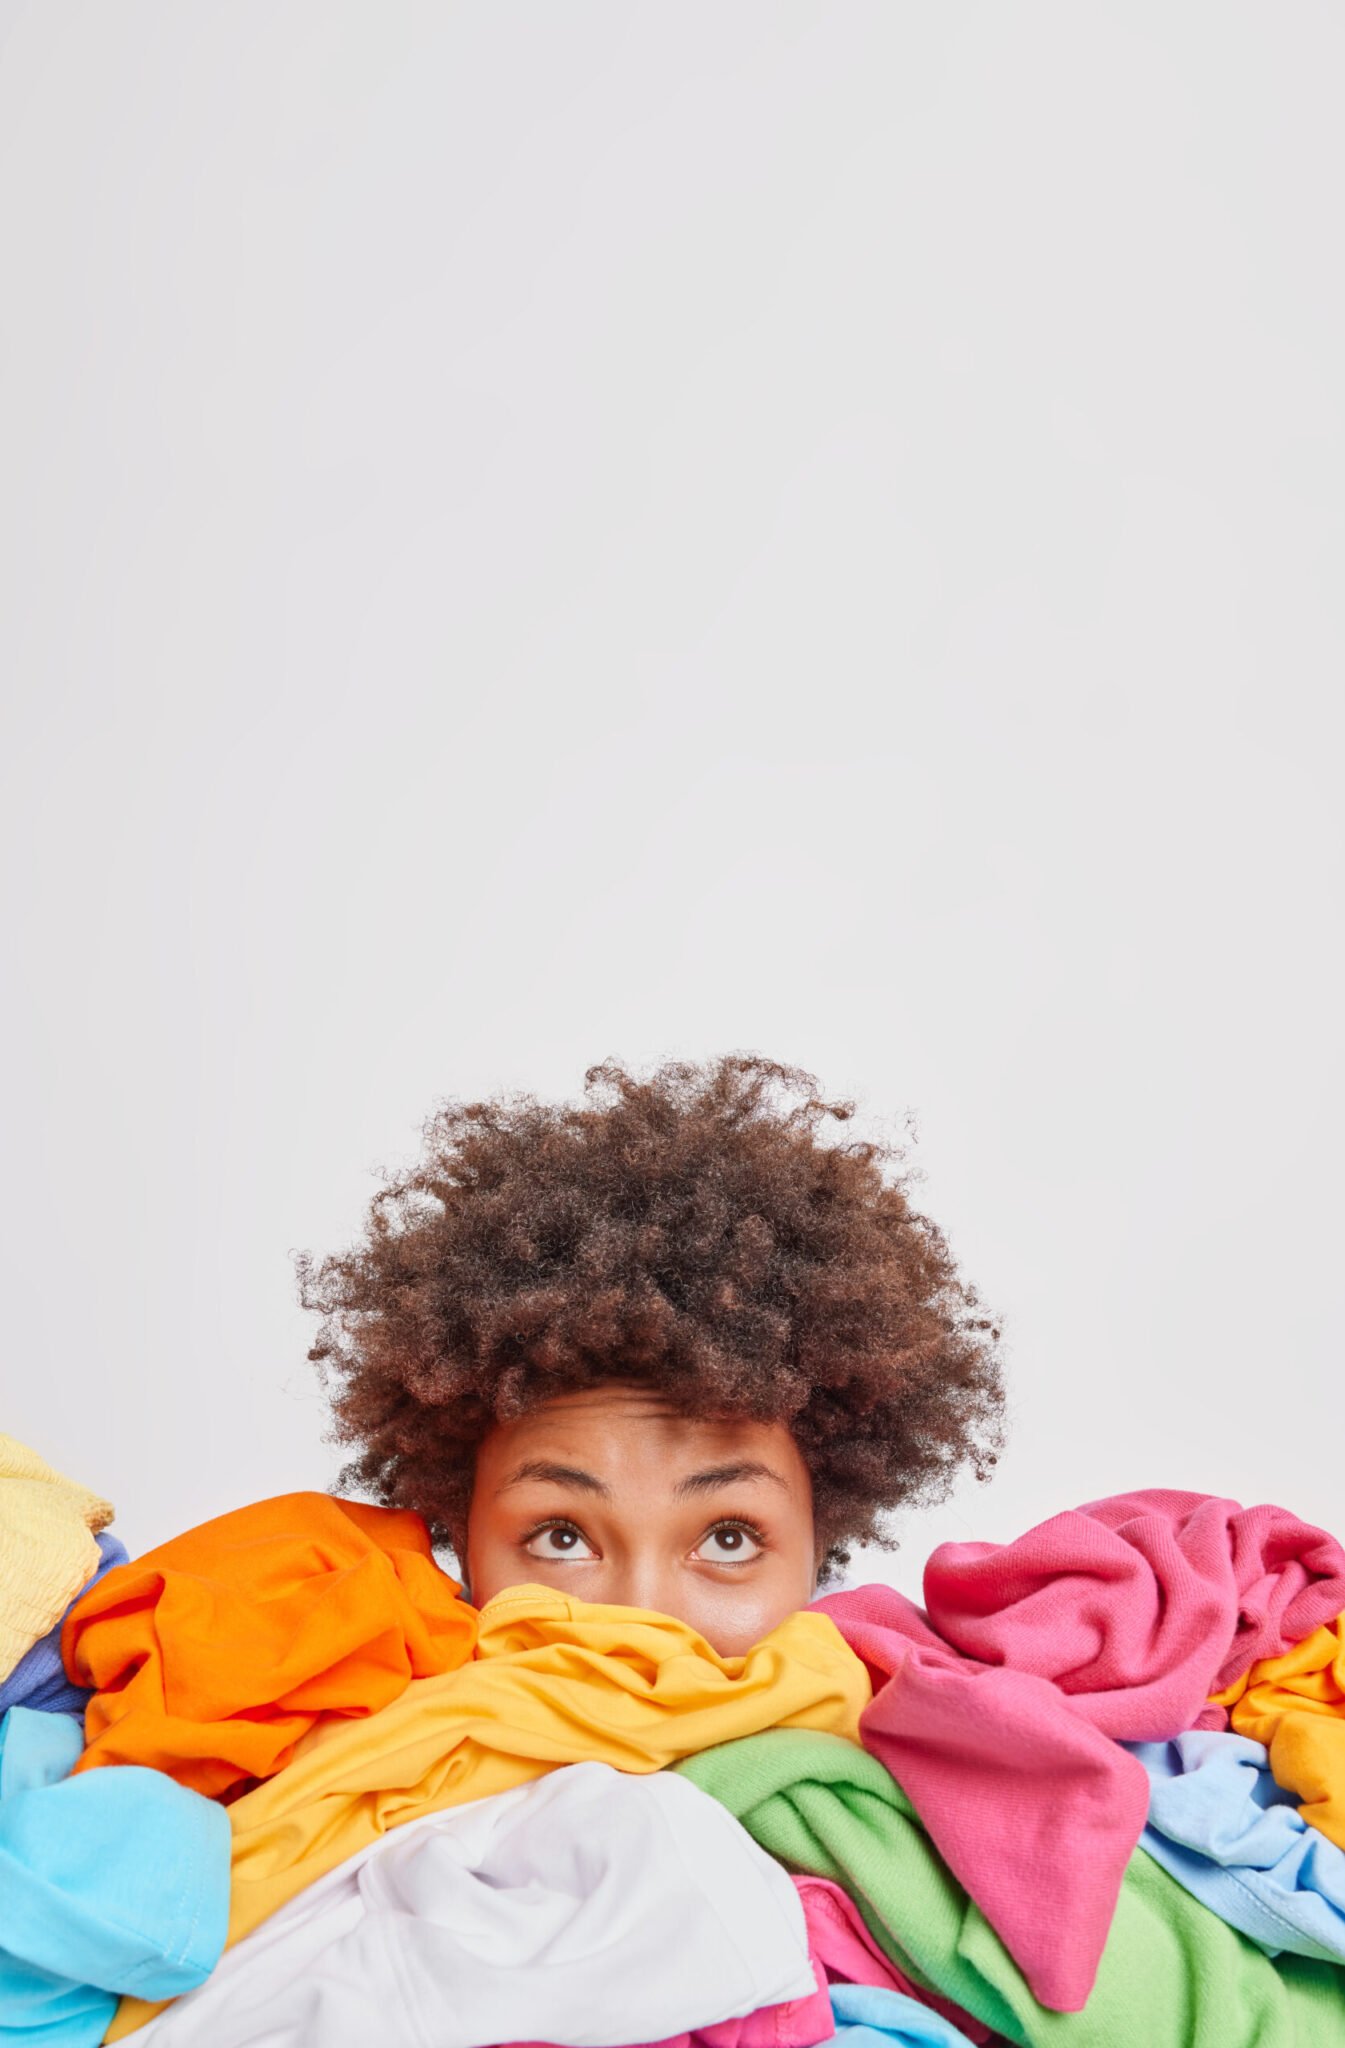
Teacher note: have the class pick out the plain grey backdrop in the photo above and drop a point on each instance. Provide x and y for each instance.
(538, 531)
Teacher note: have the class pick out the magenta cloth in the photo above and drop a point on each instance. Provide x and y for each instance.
(797, 2023)
(999, 1706)
(840, 1942)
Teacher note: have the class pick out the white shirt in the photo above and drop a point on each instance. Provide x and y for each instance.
(590, 1908)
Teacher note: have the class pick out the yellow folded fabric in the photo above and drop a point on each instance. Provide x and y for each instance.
(47, 1551)
(1295, 1705)
(555, 1681)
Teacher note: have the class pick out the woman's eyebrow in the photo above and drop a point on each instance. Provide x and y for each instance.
(559, 1475)
(726, 1475)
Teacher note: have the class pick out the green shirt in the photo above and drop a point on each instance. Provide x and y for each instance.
(1173, 1975)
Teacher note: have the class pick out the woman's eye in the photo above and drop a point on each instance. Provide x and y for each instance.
(558, 1539)
(730, 1543)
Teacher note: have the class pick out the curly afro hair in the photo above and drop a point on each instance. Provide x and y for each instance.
(689, 1230)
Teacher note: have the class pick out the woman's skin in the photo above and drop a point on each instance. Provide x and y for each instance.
(612, 1495)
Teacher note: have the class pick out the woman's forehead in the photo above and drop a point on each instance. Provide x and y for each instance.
(613, 1431)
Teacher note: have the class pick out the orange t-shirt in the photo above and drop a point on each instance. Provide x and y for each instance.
(213, 1654)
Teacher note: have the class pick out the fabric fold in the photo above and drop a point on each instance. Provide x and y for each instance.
(1231, 1837)
(210, 1656)
(556, 1681)
(113, 1883)
(1000, 1707)
(1294, 1703)
(869, 2017)
(583, 1906)
(794, 2023)
(38, 1680)
(1171, 1974)
(848, 1954)
(47, 1549)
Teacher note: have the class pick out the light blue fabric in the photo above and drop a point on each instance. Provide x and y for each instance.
(869, 2018)
(37, 1749)
(117, 1880)
(38, 1680)
(1226, 1831)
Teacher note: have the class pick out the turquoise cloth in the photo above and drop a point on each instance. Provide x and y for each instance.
(116, 1880)
(868, 2017)
(1172, 1975)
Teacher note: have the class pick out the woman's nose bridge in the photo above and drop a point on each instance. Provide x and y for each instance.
(652, 1572)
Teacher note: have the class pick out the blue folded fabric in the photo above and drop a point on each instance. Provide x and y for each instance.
(867, 2017)
(114, 1881)
(38, 1680)
(1234, 1839)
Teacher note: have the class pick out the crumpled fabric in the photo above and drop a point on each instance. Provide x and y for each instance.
(47, 1551)
(210, 1656)
(843, 1953)
(847, 1953)
(794, 2023)
(555, 1681)
(38, 1681)
(1172, 1975)
(869, 2017)
(1231, 1837)
(1000, 1707)
(588, 1902)
(1294, 1703)
(112, 1883)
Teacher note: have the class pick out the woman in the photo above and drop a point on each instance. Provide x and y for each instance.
(669, 1349)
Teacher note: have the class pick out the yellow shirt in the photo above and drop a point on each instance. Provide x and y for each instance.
(555, 1681)
(1295, 1705)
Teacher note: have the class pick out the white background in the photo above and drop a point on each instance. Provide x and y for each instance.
(539, 531)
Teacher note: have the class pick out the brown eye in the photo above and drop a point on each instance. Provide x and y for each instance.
(559, 1541)
(729, 1543)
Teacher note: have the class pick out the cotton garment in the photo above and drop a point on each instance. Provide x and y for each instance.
(847, 1953)
(1172, 1975)
(1232, 1838)
(997, 1706)
(842, 1950)
(38, 1681)
(47, 1551)
(843, 1953)
(210, 1656)
(1295, 1704)
(111, 1883)
(1182, 1573)
(867, 2017)
(794, 2023)
(555, 1681)
(588, 1907)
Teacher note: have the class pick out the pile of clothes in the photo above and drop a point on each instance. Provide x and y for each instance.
(276, 1782)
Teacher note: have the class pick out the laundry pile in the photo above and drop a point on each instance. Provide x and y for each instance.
(276, 1783)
